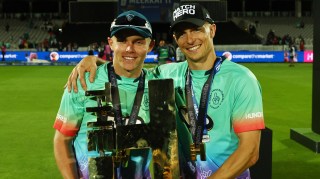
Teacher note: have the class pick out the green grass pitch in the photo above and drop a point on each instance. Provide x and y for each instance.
(30, 97)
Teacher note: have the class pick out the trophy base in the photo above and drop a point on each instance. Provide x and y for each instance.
(101, 167)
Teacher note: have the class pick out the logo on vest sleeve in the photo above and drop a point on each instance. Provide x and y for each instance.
(217, 98)
(61, 118)
(254, 115)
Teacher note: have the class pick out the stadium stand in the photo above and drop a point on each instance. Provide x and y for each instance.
(280, 25)
(19, 28)
(85, 34)
(228, 33)
(99, 32)
(35, 30)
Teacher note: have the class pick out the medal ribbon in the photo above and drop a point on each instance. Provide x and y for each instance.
(116, 97)
(197, 115)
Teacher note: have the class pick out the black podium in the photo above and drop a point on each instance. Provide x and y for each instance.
(263, 168)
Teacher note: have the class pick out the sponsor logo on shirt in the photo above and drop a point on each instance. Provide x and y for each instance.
(217, 98)
(254, 115)
(61, 118)
(145, 105)
(83, 163)
(204, 173)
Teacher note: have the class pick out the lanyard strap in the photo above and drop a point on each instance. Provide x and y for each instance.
(197, 115)
(116, 97)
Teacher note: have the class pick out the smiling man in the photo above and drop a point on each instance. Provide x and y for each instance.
(131, 41)
(217, 96)
(218, 101)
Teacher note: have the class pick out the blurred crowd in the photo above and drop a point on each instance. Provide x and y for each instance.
(273, 39)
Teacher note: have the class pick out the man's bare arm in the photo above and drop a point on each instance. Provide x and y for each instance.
(64, 156)
(246, 155)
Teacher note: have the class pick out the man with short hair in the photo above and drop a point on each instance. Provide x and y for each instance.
(219, 102)
(223, 101)
(131, 40)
